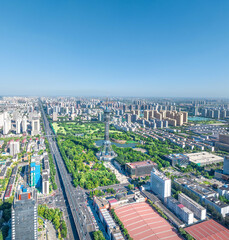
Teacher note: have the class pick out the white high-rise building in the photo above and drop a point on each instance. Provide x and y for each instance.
(55, 116)
(35, 126)
(45, 182)
(24, 124)
(6, 126)
(18, 126)
(160, 184)
(14, 147)
(1, 120)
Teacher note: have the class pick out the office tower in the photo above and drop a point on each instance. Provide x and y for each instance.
(24, 215)
(146, 115)
(160, 184)
(14, 147)
(226, 165)
(198, 210)
(18, 126)
(54, 116)
(35, 126)
(24, 124)
(35, 173)
(6, 126)
(45, 182)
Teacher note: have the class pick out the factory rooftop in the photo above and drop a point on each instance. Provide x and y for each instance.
(144, 223)
(208, 230)
(204, 158)
(141, 164)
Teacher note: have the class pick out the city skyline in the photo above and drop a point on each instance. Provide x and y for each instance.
(143, 49)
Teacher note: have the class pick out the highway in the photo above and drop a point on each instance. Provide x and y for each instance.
(77, 217)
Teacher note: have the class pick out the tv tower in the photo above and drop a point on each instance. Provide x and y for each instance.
(107, 153)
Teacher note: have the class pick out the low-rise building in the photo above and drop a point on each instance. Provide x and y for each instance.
(198, 210)
(177, 159)
(180, 210)
(140, 169)
(219, 206)
(204, 158)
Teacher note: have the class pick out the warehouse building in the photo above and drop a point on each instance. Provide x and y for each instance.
(198, 210)
(208, 230)
(204, 158)
(140, 169)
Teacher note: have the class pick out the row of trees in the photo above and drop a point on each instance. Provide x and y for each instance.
(98, 235)
(157, 209)
(52, 167)
(6, 208)
(185, 235)
(118, 221)
(56, 217)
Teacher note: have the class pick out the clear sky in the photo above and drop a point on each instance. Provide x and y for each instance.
(151, 48)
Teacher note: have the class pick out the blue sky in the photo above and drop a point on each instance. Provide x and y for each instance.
(177, 48)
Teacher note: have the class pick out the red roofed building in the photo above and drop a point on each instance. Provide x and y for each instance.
(208, 230)
(140, 169)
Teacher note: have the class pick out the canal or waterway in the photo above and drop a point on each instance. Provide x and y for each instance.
(199, 119)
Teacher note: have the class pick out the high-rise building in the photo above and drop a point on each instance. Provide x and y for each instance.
(226, 165)
(24, 215)
(6, 126)
(35, 173)
(18, 126)
(54, 116)
(45, 182)
(160, 184)
(146, 114)
(35, 126)
(14, 147)
(24, 124)
(223, 143)
(1, 120)
(128, 118)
